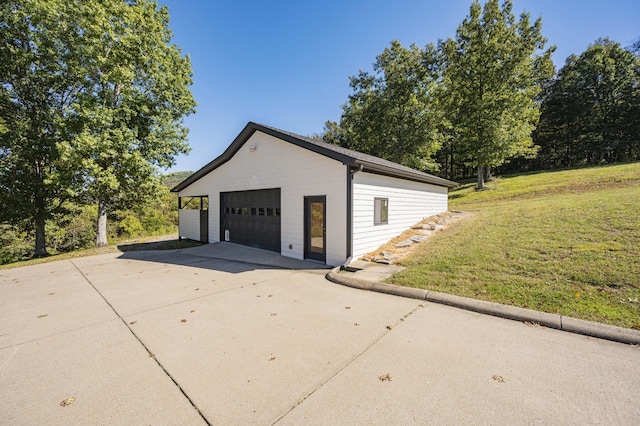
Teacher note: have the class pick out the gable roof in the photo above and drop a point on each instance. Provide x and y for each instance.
(348, 157)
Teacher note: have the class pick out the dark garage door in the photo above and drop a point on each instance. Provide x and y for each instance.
(251, 218)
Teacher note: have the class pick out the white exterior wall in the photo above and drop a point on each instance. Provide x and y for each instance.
(298, 172)
(189, 221)
(409, 203)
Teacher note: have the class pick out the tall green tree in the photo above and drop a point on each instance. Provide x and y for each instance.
(591, 111)
(492, 73)
(107, 89)
(391, 111)
(38, 82)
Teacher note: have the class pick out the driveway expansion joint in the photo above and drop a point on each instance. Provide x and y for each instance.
(557, 321)
(126, 324)
(347, 363)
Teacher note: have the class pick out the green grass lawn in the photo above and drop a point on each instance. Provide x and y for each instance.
(564, 242)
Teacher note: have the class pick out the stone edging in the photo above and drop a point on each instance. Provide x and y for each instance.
(557, 321)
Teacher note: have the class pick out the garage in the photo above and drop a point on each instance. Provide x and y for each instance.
(251, 218)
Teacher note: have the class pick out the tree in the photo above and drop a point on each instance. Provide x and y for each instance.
(492, 73)
(390, 113)
(591, 111)
(38, 79)
(101, 94)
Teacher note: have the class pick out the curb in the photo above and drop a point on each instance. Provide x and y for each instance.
(557, 321)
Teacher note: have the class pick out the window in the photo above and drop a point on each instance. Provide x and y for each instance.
(380, 211)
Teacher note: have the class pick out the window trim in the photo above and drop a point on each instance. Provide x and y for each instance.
(380, 211)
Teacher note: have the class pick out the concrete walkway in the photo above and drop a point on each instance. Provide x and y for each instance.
(187, 337)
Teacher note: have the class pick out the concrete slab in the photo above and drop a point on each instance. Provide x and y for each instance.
(258, 344)
(103, 367)
(248, 355)
(236, 252)
(148, 282)
(450, 366)
(46, 300)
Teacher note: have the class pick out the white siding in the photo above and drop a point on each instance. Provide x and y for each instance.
(298, 172)
(189, 224)
(409, 203)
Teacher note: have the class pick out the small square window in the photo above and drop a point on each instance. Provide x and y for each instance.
(269, 211)
(380, 211)
(245, 210)
(260, 211)
(227, 210)
(254, 211)
(233, 210)
(277, 211)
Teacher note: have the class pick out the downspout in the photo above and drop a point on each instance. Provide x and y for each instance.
(350, 173)
(179, 208)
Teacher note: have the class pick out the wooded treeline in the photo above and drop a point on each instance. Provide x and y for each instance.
(490, 100)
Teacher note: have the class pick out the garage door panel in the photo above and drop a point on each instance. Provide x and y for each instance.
(252, 218)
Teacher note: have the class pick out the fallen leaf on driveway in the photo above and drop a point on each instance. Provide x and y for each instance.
(498, 378)
(183, 320)
(385, 378)
(192, 311)
(272, 358)
(67, 401)
(43, 316)
(274, 314)
(132, 322)
(389, 327)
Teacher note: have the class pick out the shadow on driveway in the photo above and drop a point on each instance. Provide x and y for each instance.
(225, 257)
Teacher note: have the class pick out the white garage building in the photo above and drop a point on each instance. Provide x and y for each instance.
(304, 198)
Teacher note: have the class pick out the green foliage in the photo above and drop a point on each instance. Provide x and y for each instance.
(391, 114)
(15, 244)
(172, 179)
(38, 78)
(73, 231)
(91, 102)
(130, 227)
(591, 110)
(492, 75)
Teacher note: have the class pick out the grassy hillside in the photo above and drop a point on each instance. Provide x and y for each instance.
(564, 242)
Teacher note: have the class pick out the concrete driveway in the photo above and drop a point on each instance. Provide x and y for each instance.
(221, 334)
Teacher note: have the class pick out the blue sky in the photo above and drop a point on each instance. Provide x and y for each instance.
(287, 63)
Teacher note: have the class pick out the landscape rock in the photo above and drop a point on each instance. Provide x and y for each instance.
(425, 232)
(418, 238)
(405, 243)
(389, 255)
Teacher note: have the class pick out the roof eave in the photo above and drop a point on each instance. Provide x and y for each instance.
(414, 176)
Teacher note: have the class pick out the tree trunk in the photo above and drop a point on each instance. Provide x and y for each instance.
(101, 235)
(487, 173)
(41, 242)
(480, 177)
